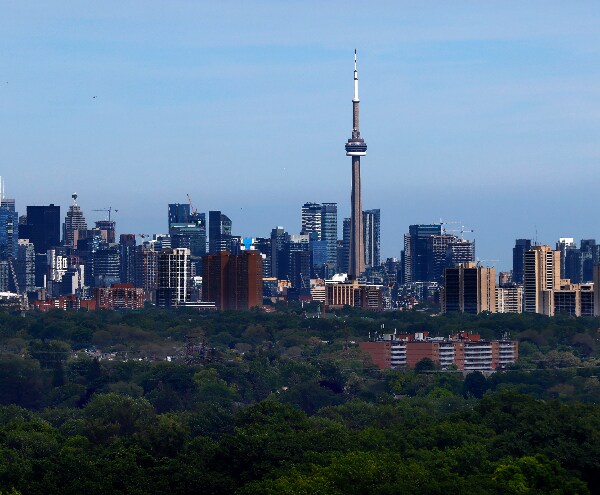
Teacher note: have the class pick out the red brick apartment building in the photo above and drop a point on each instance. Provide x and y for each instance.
(68, 302)
(119, 296)
(466, 351)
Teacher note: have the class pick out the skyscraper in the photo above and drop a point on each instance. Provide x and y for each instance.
(596, 278)
(372, 237)
(278, 264)
(108, 226)
(42, 227)
(107, 265)
(356, 147)
(469, 288)
(321, 220)
(297, 260)
(179, 213)
(26, 266)
(460, 251)
(590, 256)
(73, 222)
(43, 230)
(541, 277)
(127, 246)
(329, 232)
(564, 245)
(9, 232)
(521, 246)
(188, 230)
(232, 281)
(419, 252)
(344, 262)
(174, 278)
(318, 256)
(264, 247)
(573, 265)
(146, 267)
(219, 232)
(311, 219)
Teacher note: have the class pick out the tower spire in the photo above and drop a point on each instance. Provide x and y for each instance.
(355, 79)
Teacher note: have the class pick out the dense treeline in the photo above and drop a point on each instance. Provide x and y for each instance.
(292, 330)
(503, 443)
(287, 404)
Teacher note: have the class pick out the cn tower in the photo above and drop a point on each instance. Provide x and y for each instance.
(356, 147)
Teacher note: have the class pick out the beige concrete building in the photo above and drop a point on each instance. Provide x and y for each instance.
(574, 299)
(509, 299)
(541, 277)
(469, 288)
(354, 294)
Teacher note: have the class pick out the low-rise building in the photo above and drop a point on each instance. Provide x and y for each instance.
(353, 294)
(69, 301)
(11, 301)
(119, 296)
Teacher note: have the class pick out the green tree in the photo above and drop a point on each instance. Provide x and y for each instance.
(111, 415)
(213, 389)
(58, 376)
(424, 365)
(536, 475)
(474, 385)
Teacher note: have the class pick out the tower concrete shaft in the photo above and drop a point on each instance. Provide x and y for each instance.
(357, 245)
(356, 147)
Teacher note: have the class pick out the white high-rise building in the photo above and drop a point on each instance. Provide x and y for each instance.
(174, 278)
(311, 218)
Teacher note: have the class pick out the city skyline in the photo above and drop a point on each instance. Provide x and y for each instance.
(487, 103)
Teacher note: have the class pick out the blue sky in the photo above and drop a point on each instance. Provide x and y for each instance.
(484, 113)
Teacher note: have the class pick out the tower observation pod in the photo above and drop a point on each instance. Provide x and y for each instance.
(356, 145)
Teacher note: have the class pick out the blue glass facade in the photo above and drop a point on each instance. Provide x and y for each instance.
(9, 233)
(179, 213)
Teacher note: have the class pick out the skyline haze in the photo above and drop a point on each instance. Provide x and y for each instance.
(483, 114)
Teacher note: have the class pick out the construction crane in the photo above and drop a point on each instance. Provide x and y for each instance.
(108, 209)
(14, 276)
(462, 231)
(193, 211)
(488, 261)
(447, 222)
